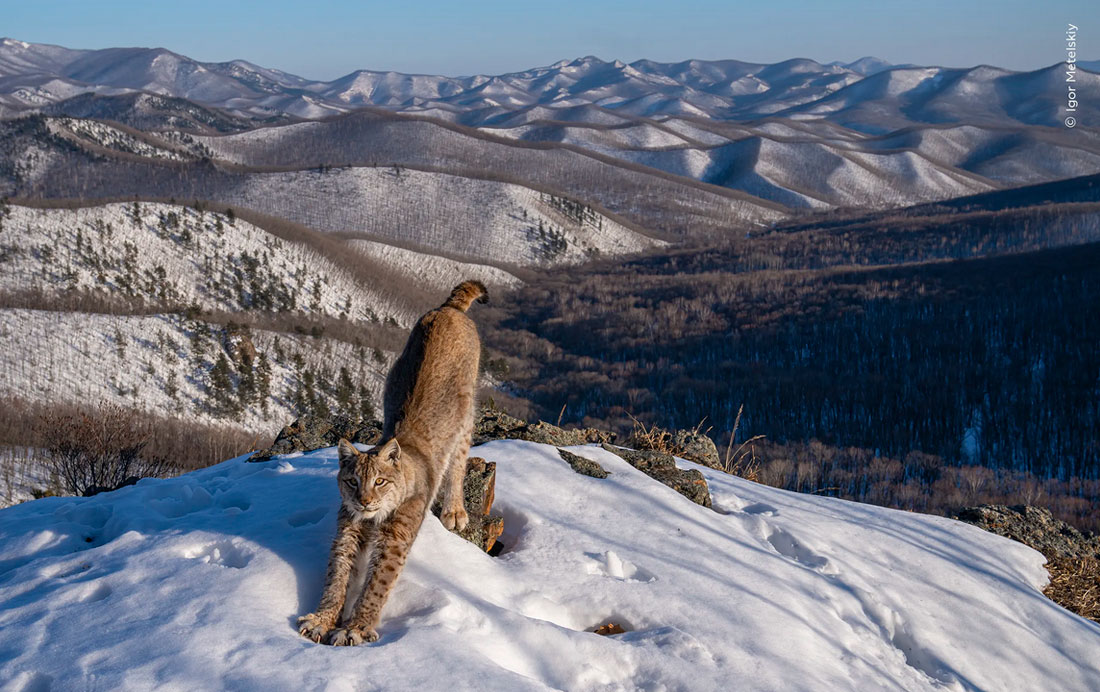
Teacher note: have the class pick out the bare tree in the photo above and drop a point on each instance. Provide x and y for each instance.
(95, 451)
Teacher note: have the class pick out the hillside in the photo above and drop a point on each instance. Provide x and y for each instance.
(198, 581)
(734, 143)
(920, 359)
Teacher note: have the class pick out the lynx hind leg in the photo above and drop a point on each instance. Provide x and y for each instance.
(454, 515)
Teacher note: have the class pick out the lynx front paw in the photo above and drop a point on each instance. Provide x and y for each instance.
(351, 636)
(314, 627)
(455, 520)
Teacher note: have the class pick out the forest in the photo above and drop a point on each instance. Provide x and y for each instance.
(923, 360)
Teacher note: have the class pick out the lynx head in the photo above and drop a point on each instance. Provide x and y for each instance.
(371, 482)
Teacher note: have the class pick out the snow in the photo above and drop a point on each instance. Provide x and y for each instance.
(85, 248)
(56, 356)
(432, 271)
(196, 583)
(482, 221)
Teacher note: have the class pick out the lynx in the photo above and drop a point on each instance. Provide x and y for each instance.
(386, 492)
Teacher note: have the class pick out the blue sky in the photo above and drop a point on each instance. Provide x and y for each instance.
(323, 39)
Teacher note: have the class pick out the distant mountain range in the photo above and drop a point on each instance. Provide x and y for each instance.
(796, 134)
(35, 75)
(792, 135)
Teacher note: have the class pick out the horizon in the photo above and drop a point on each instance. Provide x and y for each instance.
(433, 38)
(1094, 64)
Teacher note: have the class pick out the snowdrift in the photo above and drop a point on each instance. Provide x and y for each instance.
(196, 583)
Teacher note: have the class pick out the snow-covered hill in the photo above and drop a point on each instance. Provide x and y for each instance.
(873, 134)
(173, 255)
(164, 364)
(34, 74)
(196, 583)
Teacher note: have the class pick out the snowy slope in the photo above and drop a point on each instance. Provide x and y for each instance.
(153, 363)
(482, 220)
(438, 274)
(686, 119)
(178, 255)
(196, 583)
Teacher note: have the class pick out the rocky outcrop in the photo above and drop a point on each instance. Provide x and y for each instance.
(309, 433)
(687, 444)
(696, 446)
(479, 491)
(1035, 527)
(585, 467)
(662, 467)
(497, 425)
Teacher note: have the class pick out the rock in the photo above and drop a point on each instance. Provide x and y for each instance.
(1035, 527)
(497, 425)
(609, 629)
(585, 467)
(696, 446)
(686, 444)
(479, 490)
(308, 433)
(478, 494)
(662, 467)
(367, 433)
(237, 342)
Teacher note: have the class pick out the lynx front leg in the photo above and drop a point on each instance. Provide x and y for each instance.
(350, 535)
(454, 514)
(395, 537)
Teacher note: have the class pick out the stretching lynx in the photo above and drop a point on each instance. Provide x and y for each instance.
(429, 417)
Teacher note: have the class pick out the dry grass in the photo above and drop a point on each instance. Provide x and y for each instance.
(742, 461)
(1075, 584)
(650, 438)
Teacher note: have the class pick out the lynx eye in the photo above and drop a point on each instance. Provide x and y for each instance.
(380, 482)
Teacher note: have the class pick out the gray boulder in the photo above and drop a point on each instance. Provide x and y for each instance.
(585, 467)
(309, 433)
(662, 467)
(1035, 527)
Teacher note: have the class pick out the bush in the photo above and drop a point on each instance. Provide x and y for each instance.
(92, 452)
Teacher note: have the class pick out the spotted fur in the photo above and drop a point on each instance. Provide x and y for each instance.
(386, 491)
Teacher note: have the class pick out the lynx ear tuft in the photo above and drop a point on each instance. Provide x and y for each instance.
(347, 450)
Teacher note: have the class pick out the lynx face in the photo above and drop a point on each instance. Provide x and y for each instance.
(371, 483)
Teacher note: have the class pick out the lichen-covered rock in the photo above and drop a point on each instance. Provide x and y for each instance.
(662, 467)
(585, 467)
(1035, 527)
(497, 425)
(478, 495)
(696, 446)
(309, 433)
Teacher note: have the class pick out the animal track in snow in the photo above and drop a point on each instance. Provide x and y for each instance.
(224, 553)
(611, 565)
(98, 592)
(237, 501)
(307, 516)
(761, 508)
(94, 517)
(889, 623)
(788, 546)
(175, 500)
(515, 526)
(895, 631)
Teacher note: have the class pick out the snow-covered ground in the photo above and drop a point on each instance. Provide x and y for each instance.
(172, 254)
(159, 364)
(481, 220)
(432, 271)
(196, 583)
